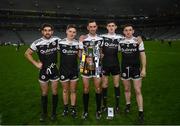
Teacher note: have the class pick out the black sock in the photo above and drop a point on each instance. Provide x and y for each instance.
(141, 113)
(98, 101)
(128, 106)
(66, 107)
(104, 95)
(85, 101)
(44, 100)
(54, 103)
(117, 95)
(73, 107)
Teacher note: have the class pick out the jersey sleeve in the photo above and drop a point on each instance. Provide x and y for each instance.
(141, 47)
(33, 46)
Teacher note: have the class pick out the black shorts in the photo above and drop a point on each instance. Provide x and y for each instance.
(68, 75)
(113, 70)
(48, 73)
(129, 72)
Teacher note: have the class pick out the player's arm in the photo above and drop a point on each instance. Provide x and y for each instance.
(139, 39)
(143, 63)
(28, 55)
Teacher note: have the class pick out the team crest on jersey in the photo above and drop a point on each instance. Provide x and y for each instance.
(43, 77)
(53, 43)
(99, 42)
(62, 77)
(134, 45)
(124, 74)
(76, 46)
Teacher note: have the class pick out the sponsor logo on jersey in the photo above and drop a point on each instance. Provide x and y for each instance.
(48, 50)
(128, 50)
(110, 44)
(69, 51)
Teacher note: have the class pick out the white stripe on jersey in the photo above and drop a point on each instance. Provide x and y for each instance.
(66, 42)
(95, 38)
(114, 36)
(43, 41)
(133, 40)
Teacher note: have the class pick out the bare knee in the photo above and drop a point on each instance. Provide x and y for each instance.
(138, 92)
(65, 91)
(73, 91)
(98, 90)
(127, 90)
(104, 85)
(86, 90)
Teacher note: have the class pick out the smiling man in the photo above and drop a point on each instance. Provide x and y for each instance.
(46, 48)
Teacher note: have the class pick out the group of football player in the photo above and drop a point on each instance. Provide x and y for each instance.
(99, 59)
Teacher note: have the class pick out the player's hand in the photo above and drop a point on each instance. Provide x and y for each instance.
(139, 39)
(39, 65)
(143, 73)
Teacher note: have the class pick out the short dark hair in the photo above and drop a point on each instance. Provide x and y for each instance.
(110, 21)
(91, 21)
(71, 26)
(46, 25)
(128, 25)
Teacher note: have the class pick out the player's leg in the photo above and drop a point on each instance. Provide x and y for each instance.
(115, 71)
(73, 85)
(116, 91)
(43, 80)
(127, 92)
(54, 87)
(54, 78)
(104, 92)
(97, 84)
(139, 98)
(85, 96)
(44, 100)
(65, 93)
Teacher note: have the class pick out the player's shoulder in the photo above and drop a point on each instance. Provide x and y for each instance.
(116, 36)
(56, 38)
(37, 41)
(119, 36)
(63, 41)
(98, 37)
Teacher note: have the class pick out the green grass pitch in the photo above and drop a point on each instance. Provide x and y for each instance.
(20, 91)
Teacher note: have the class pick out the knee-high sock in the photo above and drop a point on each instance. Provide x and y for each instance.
(85, 101)
(117, 95)
(54, 103)
(44, 100)
(104, 96)
(98, 101)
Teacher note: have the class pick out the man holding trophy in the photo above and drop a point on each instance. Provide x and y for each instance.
(90, 66)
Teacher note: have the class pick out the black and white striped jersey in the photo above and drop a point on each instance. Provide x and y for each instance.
(69, 54)
(131, 49)
(46, 50)
(110, 49)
